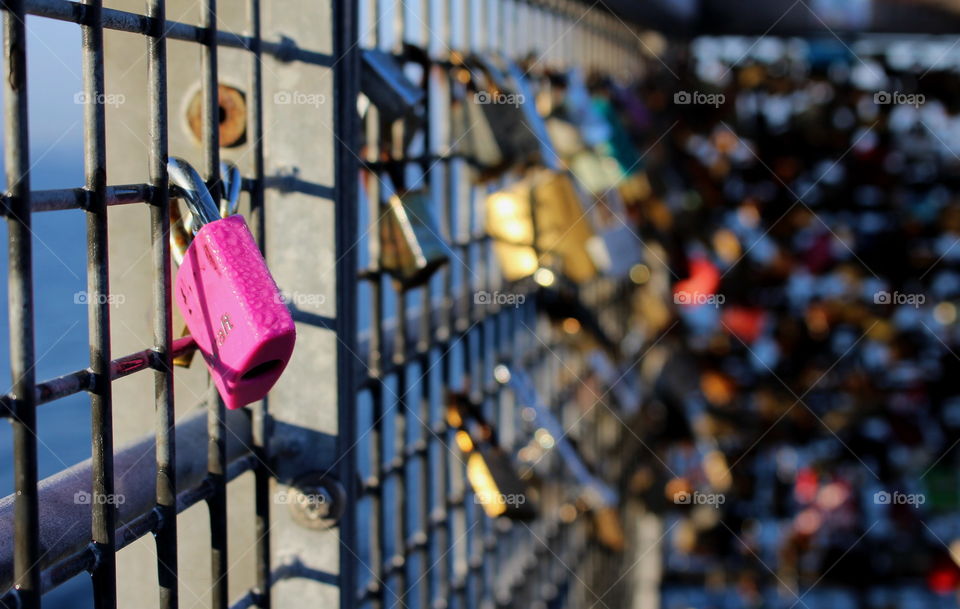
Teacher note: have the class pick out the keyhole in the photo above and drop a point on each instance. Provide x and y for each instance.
(261, 369)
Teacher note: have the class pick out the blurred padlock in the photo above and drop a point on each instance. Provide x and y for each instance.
(509, 221)
(600, 497)
(540, 221)
(563, 226)
(490, 471)
(549, 157)
(599, 173)
(635, 189)
(609, 529)
(615, 249)
(228, 298)
(618, 145)
(386, 86)
(489, 127)
(565, 137)
(410, 245)
(579, 109)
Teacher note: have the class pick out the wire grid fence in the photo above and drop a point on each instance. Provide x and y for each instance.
(33, 571)
(424, 542)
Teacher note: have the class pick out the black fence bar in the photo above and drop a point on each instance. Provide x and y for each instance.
(261, 594)
(103, 526)
(22, 349)
(166, 533)
(347, 128)
(216, 458)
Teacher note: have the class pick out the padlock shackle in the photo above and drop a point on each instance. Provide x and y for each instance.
(194, 191)
(232, 185)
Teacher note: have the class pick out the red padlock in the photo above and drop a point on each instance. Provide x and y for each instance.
(229, 300)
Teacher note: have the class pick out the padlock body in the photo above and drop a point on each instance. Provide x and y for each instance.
(234, 311)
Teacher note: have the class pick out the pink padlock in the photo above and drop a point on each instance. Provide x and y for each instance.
(228, 298)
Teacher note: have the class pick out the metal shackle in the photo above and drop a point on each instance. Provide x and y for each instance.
(203, 208)
(232, 185)
(230, 201)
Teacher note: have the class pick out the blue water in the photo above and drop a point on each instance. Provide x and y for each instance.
(59, 267)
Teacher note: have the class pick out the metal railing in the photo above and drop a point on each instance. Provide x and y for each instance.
(424, 542)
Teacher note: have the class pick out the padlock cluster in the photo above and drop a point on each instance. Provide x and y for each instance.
(556, 158)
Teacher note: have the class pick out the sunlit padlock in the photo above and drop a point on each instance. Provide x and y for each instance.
(491, 472)
(410, 245)
(540, 220)
(228, 298)
(602, 499)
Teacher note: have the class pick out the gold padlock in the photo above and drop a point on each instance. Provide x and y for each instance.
(509, 221)
(563, 227)
(636, 189)
(608, 530)
(492, 475)
(540, 221)
(410, 245)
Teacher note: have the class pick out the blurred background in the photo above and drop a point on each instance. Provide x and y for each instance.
(804, 430)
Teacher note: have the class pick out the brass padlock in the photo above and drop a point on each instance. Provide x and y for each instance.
(563, 227)
(509, 221)
(608, 529)
(636, 189)
(540, 221)
(492, 474)
(410, 245)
